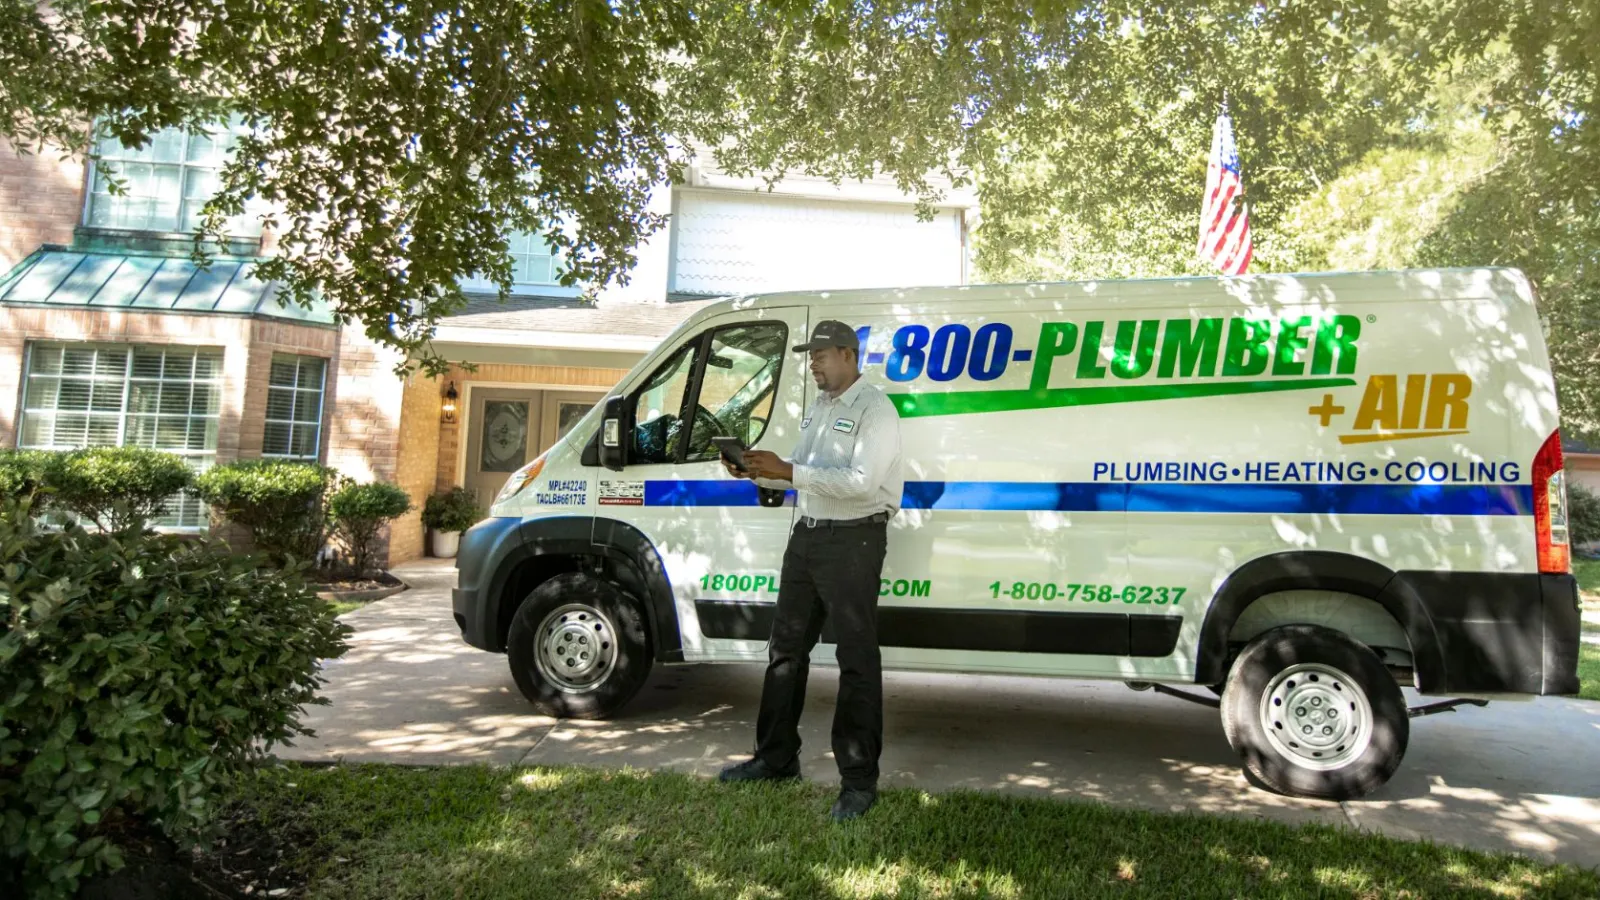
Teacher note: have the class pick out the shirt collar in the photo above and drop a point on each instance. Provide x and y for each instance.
(850, 395)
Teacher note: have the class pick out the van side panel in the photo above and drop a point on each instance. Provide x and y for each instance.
(1094, 471)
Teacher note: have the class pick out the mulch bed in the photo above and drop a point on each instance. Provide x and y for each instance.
(327, 582)
(246, 863)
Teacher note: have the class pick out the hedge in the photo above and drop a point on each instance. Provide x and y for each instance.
(143, 674)
(359, 512)
(22, 472)
(116, 488)
(283, 503)
(1583, 514)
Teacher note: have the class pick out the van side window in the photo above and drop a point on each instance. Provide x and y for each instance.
(731, 379)
(739, 386)
(658, 406)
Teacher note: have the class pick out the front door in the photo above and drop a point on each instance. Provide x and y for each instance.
(562, 410)
(503, 429)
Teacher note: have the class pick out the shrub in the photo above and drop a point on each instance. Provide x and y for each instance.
(22, 472)
(143, 673)
(359, 512)
(116, 488)
(284, 504)
(453, 510)
(1583, 514)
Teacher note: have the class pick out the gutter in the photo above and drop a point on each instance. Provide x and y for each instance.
(547, 340)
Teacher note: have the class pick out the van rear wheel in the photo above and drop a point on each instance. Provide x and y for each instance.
(578, 648)
(1314, 714)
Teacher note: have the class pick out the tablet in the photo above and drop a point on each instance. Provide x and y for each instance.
(732, 450)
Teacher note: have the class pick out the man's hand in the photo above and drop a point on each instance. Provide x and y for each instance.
(734, 470)
(765, 464)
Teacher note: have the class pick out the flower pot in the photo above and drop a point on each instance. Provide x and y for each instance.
(444, 543)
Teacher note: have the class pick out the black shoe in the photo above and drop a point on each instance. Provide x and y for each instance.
(757, 770)
(853, 803)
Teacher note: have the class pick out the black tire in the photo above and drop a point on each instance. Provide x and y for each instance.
(1385, 731)
(618, 615)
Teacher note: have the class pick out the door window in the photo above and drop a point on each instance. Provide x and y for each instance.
(567, 415)
(658, 406)
(504, 441)
(733, 389)
(740, 383)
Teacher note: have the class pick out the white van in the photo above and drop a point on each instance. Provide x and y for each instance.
(1300, 491)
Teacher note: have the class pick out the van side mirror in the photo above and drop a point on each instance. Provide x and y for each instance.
(613, 446)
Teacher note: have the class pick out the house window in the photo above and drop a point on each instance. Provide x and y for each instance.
(534, 263)
(165, 182)
(163, 398)
(294, 407)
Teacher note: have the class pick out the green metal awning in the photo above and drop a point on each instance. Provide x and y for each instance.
(53, 276)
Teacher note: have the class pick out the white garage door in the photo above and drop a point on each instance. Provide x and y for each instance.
(736, 242)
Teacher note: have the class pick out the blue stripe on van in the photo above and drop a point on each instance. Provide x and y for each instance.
(1015, 495)
(710, 492)
(1348, 499)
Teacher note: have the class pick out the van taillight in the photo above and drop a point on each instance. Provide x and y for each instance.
(1550, 508)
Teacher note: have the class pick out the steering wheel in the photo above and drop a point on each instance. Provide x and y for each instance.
(706, 427)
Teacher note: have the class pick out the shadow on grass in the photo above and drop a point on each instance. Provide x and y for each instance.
(481, 832)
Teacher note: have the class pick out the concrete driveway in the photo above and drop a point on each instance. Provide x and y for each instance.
(1521, 776)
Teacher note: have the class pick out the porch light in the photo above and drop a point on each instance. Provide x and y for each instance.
(449, 407)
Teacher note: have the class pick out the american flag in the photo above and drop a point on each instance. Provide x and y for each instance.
(1224, 221)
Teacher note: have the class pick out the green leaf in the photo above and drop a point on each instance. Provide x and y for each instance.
(91, 799)
(103, 692)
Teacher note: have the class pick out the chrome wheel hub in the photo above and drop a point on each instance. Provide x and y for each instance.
(1316, 716)
(576, 648)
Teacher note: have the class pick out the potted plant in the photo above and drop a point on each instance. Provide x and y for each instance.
(446, 515)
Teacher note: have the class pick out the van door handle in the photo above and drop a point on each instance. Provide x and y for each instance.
(770, 497)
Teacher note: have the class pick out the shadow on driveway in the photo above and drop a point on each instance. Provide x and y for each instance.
(1517, 776)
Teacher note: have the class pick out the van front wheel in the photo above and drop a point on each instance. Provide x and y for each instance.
(1315, 714)
(578, 648)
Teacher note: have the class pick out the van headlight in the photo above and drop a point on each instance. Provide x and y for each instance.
(519, 480)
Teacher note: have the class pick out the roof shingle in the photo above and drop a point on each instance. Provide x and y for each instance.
(573, 316)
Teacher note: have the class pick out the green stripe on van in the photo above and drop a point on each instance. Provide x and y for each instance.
(960, 403)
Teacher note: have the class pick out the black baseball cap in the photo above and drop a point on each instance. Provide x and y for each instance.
(830, 333)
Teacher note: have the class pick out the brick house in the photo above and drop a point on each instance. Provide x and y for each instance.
(108, 334)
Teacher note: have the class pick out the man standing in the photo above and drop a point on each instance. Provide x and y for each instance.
(847, 472)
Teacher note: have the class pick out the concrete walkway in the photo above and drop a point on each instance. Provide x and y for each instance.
(1521, 776)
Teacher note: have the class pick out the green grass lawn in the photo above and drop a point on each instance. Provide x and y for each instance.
(340, 607)
(1588, 572)
(1589, 665)
(477, 832)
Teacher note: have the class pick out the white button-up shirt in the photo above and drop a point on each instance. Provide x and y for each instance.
(847, 464)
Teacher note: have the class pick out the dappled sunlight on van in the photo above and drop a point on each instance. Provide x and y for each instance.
(1314, 488)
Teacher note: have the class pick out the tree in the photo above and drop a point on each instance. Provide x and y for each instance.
(400, 140)
(397, 141)
(1472, 187)
(1492, 158)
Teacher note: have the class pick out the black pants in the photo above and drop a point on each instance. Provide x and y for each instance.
(829, 574)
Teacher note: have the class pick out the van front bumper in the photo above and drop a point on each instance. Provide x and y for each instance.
(1498, 632)
(484, 547)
